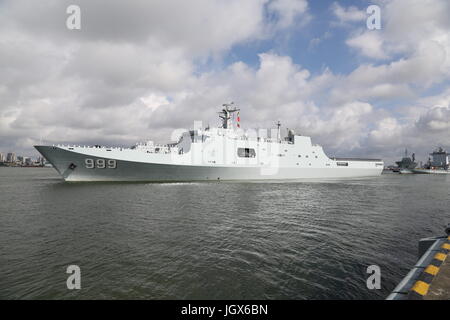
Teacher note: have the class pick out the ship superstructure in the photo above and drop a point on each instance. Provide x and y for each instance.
(226, 152)
(439, 159)
(438, 163)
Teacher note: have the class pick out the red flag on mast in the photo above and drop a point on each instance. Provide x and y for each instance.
(238, 120)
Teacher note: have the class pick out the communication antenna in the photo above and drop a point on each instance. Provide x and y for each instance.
(226, 113)
(279, 131)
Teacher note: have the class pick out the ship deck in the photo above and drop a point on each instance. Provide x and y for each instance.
(356, 159)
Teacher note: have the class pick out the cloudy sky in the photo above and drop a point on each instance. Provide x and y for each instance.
(140, 69)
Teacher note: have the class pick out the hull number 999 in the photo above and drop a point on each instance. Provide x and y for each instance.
(100, 163)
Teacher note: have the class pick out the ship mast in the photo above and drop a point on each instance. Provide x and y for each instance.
(226, 113)
(279, 131)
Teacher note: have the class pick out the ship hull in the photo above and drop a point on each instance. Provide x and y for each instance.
(71, 166)
(430, 171)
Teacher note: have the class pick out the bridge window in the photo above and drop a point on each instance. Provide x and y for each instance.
(246, 153)
(342, 164)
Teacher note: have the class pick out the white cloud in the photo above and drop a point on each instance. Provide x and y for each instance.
(414, 61)
(277, 89)
(387, 132)
(417, 30)
(437, 119)
(429, 130)
(287, 11)
(105, 81)
(347, 15)
(370, 44)
(141, 70)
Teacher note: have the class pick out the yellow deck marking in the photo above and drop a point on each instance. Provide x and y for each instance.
(421, 288)
(446, 246)
(432, 270)
(440, 256)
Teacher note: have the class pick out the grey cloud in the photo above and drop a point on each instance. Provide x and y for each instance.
(197, 25)
(436, 120)
(132, 74)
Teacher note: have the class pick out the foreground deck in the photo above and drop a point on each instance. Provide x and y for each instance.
(440, 286)
(429, 279)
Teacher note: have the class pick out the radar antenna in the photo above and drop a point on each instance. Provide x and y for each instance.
(278, 131)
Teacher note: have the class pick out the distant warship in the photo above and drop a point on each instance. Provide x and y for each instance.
(406, 164)
(438, 163)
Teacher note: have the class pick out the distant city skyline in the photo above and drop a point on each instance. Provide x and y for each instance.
(13, 158)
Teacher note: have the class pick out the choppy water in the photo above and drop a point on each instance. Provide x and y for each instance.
(310, 240)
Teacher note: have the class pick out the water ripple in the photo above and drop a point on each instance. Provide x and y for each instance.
(296, 240)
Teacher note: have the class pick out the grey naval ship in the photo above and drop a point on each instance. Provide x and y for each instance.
(226, 152)
(407, 164)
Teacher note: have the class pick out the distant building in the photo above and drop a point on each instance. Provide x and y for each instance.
(2, 158)
(11, 157)
(27, 161)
